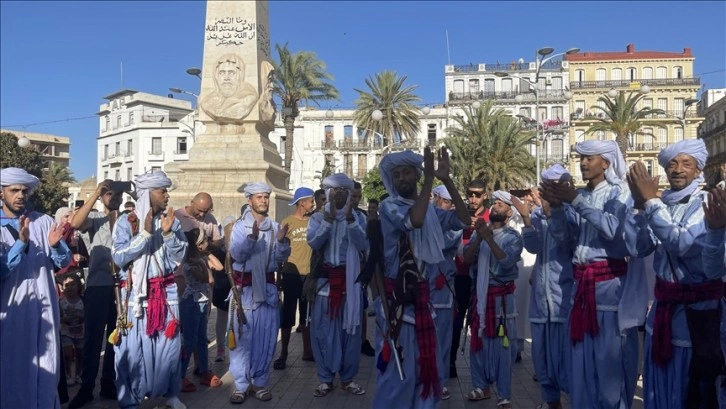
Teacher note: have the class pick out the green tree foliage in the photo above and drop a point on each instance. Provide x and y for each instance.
(53, 190)
(373, 185)
(488, 144)
(299, 77)
(396, 101)
(623, 118)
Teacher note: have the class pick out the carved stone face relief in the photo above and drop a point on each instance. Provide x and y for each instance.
(233, 98)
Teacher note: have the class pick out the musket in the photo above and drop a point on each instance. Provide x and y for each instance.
(241, 317)
(380, 286)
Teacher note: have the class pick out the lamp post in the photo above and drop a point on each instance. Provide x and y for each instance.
(194, 71)
(181, 91)
(541, 57)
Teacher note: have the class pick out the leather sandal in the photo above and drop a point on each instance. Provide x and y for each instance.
(479, 394)
(188, 386)
(322, 390)
(238, 397)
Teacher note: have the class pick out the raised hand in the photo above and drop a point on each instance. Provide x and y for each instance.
(255, 230)
(282, 232)
(522, 207)
(55, 234)
(103, 187)
(149, 222)
(24, 233)
(715, 213)
(546, 193)
(484, 230)
(562, 192)
(642, 185)
(442, 171)
(536, 197)
(428, 171)
(167, 220)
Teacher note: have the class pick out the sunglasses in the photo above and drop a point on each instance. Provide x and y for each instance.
(475, 194)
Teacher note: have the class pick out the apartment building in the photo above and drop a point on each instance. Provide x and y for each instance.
(712, 130)
(52, 148)
(667, 81)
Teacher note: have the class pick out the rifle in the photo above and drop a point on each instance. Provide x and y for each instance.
(378, 281)
(122, 323)
(237, 304)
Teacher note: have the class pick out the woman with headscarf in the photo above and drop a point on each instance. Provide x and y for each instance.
(147, 246)
(31, 246)
(73, 240)
(258, 245)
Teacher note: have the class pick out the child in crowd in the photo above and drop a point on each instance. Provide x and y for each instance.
(71, 313)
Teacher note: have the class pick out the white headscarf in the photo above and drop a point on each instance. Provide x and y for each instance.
(145, 183)
(695, 148)
(62, 212)
(556, 173)
(609, 151)
(426, 242)
(254, 188)
(17, 176)
(515, 220)
(442, 192)
(351, 317)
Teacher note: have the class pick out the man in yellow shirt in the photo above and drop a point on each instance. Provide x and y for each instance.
(293, 273)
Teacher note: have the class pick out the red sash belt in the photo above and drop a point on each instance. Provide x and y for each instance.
(336, 282)
(245, 279)
(156, 304)
(668, 296)
(583, 318)
(490, 314)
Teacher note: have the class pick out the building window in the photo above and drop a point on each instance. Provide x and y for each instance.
(329, 136)
(616, 74)
(362, 137)
(118, 121)
(579, 136)
(556, 149)
(156, 146)
(458, 87)
(600, 135)
(131, 118)
(557, 83)
(662, 137)
(348, 133)
(579, 108)
(129, 174)
(431, 133)
(105, 174)
(663, 104)
(118, 175)
(632, 73)
(130, 147)
(489, 86)
(105, 151)
(678, 134)
(525, 112)
(118, 149)
(678, 72)
(661, 73)
(542, 114)
(558, 113)
(647, 73)
(330, 162)
(108, 123)
(507, 85)
(362, 165)
(348, 163)
(647, 139)
(474, 87)
(580, 75)
(601, 74)
(649, 167)
(181, 145)
(678, 106)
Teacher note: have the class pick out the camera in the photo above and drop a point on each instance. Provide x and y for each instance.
(121, 186)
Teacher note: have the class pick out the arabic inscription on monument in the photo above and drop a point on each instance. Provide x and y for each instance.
(231, 31)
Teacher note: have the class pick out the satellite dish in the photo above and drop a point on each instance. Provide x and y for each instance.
(521, 60)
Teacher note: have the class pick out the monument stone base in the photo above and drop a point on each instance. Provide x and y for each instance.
(220, 164)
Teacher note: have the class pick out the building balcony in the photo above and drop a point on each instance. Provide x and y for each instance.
(528, 97)
(513, 66)
(181, 155)
(648, 147)
(634, 84)
(155, 156)
(354, 145)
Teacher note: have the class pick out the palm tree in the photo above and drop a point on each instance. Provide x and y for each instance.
(395, 100)
(489, 144)
(622, 117)
(300, 76)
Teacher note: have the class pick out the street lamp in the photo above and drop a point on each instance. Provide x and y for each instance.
(23, 142)
(181, 91)
(195, 72)
(541, 57)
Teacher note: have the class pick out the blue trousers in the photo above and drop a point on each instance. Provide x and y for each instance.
(335, 350)
(551, 357)
(493, 363)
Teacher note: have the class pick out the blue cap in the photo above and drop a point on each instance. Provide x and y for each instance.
(301, 193)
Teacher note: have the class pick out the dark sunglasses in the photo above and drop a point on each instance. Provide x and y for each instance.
(475, 194)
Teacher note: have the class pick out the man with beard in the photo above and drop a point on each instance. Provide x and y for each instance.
(609, 301)
(551, 296)
(98, 299)
(30, 245)
(339, 233)
(320, 199)
(495, 249)
(682, 349)
(293, 274)
(148, 245)
(258, 245)
(233, 98)
(413, 235)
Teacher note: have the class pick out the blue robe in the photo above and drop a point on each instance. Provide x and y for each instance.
(29, 315)
(148, 366)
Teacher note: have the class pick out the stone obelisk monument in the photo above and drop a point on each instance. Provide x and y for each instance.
(236, 108)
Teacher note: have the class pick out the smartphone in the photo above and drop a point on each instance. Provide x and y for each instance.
(79, 203)
(121, 186)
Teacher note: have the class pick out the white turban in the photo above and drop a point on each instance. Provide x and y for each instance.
(254, 188)
(62, 212)
(556, 173)
(442, 192)
(515, 220)
(505, 197)
(394, 160)
(338, 180)
(693, 147)
(609, 151)
(145, 183)
(696, 148)
(17, 176)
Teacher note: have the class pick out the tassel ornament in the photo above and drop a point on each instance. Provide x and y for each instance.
(114, 338)
(171, 328)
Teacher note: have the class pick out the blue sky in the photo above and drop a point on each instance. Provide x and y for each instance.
(58, 59)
